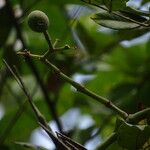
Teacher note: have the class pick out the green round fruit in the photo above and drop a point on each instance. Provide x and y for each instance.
(38, 21)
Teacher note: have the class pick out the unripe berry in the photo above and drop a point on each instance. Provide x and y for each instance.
(38, 21)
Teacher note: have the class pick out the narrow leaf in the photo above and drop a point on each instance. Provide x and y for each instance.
(112, 21)
(114, 5)
(133, 136)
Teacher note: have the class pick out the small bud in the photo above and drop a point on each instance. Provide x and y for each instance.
(38, 21)
(67, 47)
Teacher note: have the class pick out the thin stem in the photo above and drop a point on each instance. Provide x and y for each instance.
(135, 118)
(48, 39)
(52, 48)
(31, 146)
(71, 144)
(56, 42)
(49, 42)
(28, 54)
(38, 115)
(84, 90)
(59, 49)
(110, 6)
(58, 143)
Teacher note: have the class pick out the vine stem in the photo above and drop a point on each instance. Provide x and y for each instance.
(79, 87)
(140, 115)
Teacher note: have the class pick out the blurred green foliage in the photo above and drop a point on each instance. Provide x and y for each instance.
(119, 71)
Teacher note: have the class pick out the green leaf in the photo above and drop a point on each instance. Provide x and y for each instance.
(20, 129)
(126, 98)
(5, 25)
(103, 81)
(96, 2)
(66, 99)
(112, 21)
(138, 12)
(119, 122)
(132, 137)
(110, 4)
(90, 38)
(144, 136)
(57, 2)
(86, 39)
(134, 33)
(82, 135)
(115, 146)
(115, 4)
(119, 20)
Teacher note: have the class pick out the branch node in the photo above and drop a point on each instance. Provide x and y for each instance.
(108, 104)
